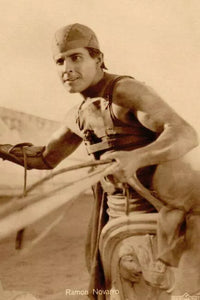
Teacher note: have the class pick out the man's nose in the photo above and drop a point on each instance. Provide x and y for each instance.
(67, 67)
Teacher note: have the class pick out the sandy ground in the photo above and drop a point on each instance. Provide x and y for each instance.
(55, 264)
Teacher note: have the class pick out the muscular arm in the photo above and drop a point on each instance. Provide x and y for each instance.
(64, 141)
(61, 145)
(176, 136)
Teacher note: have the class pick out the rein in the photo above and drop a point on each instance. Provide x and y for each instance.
(20, 233)
(26, 200)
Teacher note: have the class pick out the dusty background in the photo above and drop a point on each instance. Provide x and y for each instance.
(57, 263)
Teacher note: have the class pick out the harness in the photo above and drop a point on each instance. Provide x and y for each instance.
(102, 130)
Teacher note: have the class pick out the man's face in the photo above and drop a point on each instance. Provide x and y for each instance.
(77, 69)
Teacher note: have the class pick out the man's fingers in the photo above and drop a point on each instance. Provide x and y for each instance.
(118, 169)
(112, 156)
(113, 168)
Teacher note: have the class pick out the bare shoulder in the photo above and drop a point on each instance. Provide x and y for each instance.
(135, 92)
(147, 105)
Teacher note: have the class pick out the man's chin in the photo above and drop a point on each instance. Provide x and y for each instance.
(71, 90)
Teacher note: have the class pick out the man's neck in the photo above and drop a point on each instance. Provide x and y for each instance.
(93, 90)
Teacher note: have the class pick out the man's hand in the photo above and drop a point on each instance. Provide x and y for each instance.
(13, 153)
(17, 153)
(128, 162)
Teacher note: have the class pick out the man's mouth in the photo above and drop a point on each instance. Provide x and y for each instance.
(71, 79)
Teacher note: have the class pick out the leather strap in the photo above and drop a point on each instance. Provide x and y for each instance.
(115, 143)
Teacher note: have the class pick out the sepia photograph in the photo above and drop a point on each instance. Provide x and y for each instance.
(99, 150)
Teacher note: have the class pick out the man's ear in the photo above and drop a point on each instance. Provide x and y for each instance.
(100, 59)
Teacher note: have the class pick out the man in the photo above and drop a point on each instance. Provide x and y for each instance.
(120, 118)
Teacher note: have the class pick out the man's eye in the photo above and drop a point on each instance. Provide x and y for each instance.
(60, 61)
(76, 58)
